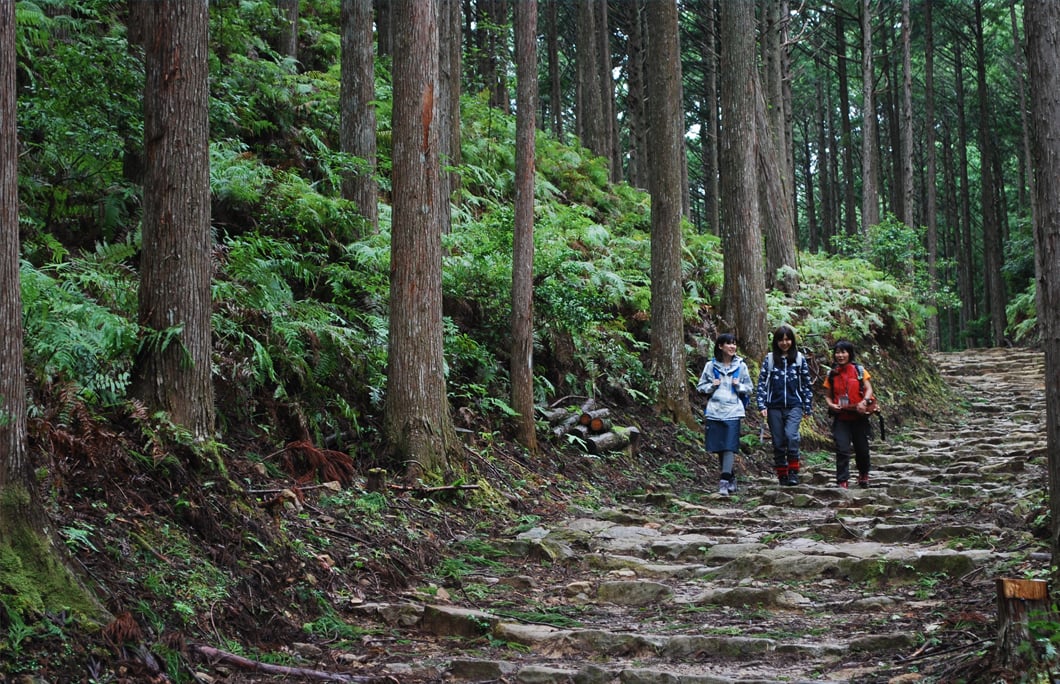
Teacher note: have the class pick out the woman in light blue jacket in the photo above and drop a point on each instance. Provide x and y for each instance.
(727, 383)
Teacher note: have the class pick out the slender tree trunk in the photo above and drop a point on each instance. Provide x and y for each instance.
(592, 125)
(930, 190)
(1027, 177)
(357, 109)
(781, 265)
(709, 123)
(743, 291)
(965, 253)
(174, 371)
(812, 227)
(522, 360)
(18, 504)
(870, 202)
(631, 16)
(384, 32)
(825, 165)
(288, 43)
(993, 250)
(554, 81)
(607, 94)
(1043, 34)
(846, 141)
(418, 426)
(450, 66)
(908, 210)
(667, 293)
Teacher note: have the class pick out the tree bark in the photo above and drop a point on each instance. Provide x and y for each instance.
(668, 360)
(450, 67)
(993, 249)
(592, 127)
(870, 202)
(418, 426)
(846, 140)
(1042, 22)
(288, 40)
(555, 83)
(781, 266)
(522, 356)
(964, 252)
(357, 135)
(24, 535)
(908, 208)
(173, 370)
(743, 292)
(930, 189)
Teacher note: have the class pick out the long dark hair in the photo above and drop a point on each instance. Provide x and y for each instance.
(723, 339)
(784, 331)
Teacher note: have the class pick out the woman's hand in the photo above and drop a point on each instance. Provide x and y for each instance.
(765, 412)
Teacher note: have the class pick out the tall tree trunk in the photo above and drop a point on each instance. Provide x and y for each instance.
(665, 119)
(357, 109)
(812, 227)
(709, 119)
(449, 67)
(951, 245)
(993, 250)
(870, 202)
(1027, 177)
(631, 18)
(930, 190)
(1043, 31)
(384, 28)
(825, 164)
(288, 42)
(607, 83)
(418, 426)
(965, 253)
(846, 141)
(34, 560)
(908, 212)
(743, 291)
(173, 372)
(555, 83)
(522, 356)
(592, 124)
(781, 265)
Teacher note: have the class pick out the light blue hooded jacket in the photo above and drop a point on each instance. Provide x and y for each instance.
(727, 400)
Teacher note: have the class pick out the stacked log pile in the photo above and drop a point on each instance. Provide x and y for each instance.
(591, 426)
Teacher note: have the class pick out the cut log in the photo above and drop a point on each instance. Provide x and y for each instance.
(587, 417)
(554, 416)
(608, 441)
(599, 425)
(1018, 602)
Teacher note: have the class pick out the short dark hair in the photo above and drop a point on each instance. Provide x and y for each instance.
(724, 338)
(844, 345)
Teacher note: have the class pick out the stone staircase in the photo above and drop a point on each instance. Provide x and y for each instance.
(893, 583)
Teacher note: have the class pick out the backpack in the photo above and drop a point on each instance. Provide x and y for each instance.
(735, 376)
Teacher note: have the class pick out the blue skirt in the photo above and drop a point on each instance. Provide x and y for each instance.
(722, 435)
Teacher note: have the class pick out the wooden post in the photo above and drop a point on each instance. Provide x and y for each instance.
(1018, 600)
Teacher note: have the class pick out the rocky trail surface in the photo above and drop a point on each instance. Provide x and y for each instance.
(891, 583)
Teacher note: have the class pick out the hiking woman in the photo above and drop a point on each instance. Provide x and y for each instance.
(785, 395)
(727, 383)
(848, 393)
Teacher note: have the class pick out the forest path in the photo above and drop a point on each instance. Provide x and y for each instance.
(893, 583)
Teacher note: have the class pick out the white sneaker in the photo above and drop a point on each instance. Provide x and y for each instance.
(732, 485)
(723, 487)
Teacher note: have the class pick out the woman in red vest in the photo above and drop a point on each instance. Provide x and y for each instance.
(848, 393)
